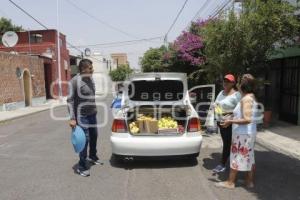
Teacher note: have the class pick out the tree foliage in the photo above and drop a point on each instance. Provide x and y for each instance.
(243, 43)
(231, 43)
(154, 60)
(7, 25)
(120, 73)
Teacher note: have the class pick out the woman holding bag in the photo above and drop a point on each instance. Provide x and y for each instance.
(225, 102)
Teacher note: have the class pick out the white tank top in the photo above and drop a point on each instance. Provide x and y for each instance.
(244, 128)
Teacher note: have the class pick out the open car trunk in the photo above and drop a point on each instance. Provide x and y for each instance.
(157, 120)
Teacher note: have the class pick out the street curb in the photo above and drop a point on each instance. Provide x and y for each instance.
(27, 114)
(277, 148)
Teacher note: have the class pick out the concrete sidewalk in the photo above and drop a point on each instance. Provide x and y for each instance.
(278, 142)
(6, 116)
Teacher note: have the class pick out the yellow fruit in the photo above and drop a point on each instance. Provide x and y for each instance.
(218, 110)
(167, 122)
(133, 128)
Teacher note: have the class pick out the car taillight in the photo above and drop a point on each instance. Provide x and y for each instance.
(119, 126)
(194, 125)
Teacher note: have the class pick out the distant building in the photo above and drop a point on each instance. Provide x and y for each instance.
(102, 66)
(43, 43)
(118, 59)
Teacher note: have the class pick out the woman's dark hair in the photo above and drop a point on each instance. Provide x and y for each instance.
(84, 63)
(248, 84)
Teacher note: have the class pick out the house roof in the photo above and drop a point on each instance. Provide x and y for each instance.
(285, 53)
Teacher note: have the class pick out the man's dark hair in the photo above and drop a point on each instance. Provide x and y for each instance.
(248, 84)
(84, 63)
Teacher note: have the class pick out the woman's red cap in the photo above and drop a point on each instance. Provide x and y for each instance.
(230, 77)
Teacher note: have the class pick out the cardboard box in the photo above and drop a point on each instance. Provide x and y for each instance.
(140, 124)
(148, 126)
(151, 126)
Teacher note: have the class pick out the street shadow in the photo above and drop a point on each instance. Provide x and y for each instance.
(153, 162)
(88, 164)
(211, 163)
(75, 167)
(277, 175)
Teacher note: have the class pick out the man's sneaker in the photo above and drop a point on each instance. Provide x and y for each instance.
(83, 171)
(219, 168)
(95, 160)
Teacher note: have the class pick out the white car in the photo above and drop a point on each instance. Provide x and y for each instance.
(158, 95)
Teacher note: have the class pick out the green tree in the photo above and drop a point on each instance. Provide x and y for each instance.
(7, 25)
(243, 43)
(153, 60)
(120, 73)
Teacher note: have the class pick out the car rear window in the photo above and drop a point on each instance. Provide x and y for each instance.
(158, 90)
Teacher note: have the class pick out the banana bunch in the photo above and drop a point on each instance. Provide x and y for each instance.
(167, 122)
(133, 128)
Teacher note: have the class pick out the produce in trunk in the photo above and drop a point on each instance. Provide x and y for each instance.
(167, 122)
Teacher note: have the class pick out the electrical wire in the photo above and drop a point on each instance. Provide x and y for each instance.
(201, 9)
(119, 42)
(44, 26)
(100, 21)
(222, 8)
(173, 23)
(197, 13)
(24, 11)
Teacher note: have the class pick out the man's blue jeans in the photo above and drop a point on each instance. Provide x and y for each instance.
(89, 125)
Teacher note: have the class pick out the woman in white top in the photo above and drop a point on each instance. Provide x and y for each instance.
(243, 134)
(225, 102)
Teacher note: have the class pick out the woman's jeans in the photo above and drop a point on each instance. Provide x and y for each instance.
(89, 125)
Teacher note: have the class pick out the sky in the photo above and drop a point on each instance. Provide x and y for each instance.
(89, 22)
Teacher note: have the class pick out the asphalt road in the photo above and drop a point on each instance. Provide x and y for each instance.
(38, 162)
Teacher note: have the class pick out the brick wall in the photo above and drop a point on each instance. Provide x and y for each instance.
(49, 40)
(11, 87)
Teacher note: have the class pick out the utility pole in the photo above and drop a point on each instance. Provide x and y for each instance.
(58, 52)
(166, 41)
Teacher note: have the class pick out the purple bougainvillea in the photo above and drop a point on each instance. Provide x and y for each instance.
(189, 48)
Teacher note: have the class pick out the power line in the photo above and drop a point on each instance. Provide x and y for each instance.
(215, 10)
(198, 13)
(201, 9)
(119, 42)
(40, 23)
(178, 14)
(221, 9)
(99, 20)
(24, 11)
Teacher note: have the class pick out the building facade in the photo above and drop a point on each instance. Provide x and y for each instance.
(43, 43)
(22, 81)
(118, 59)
